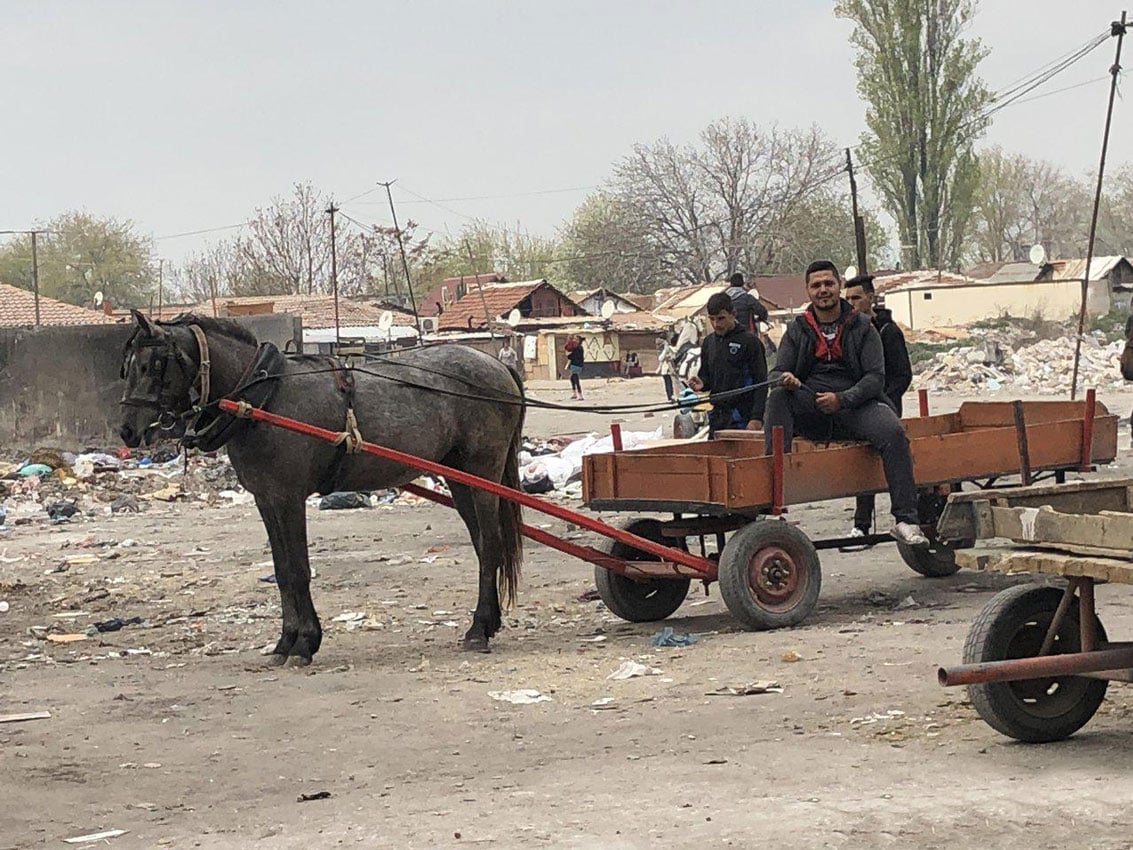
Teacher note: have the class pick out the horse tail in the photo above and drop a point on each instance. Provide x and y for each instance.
(511, 514)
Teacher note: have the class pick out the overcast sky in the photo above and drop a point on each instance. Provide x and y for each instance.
(186, 115)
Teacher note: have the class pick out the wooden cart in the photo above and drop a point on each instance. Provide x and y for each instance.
(1037, 660)
(729, 495)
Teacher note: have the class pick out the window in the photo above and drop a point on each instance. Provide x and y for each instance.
(928, 296)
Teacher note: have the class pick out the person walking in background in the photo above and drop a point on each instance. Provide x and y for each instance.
(749, 309)
(898, 373)
(510, 358)
(667, 364)
(576, 357)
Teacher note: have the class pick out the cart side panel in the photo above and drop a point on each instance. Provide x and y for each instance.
(1001, 414)
(642, 476)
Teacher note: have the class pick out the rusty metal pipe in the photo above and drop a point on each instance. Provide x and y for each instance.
(1041, 667)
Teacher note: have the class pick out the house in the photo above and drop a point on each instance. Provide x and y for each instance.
(781, 291)
(534, 299)
(688, 301)
(18, 310)
(592, 301)
(452, 289)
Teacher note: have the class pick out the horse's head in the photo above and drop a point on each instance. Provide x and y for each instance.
(159, 376)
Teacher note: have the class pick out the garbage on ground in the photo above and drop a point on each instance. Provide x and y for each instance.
(523, 696)
(38, 470)
(317, 795)
(95, 836)
(907, 602)
(667, 637)
(4, 606)
(602, 704)
(61, 511)
(25, 716)
(633, 669)
(542, 473)
(344, 501)
(750, 689)
(115, 624)
(125, 504)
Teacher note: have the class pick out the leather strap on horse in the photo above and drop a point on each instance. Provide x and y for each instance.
(351, 437)
(205, 369)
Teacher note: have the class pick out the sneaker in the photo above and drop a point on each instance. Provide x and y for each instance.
(909, 534)
(855, 532)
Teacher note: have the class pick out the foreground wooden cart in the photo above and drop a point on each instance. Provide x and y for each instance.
(1037, 660)
(729, 495)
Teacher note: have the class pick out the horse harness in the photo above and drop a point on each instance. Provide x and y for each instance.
(208, 427)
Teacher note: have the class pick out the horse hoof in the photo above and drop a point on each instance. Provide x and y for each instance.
(479, 644)
(298, 661)
(275, 660)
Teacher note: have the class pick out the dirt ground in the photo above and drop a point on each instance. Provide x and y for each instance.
(176, 731)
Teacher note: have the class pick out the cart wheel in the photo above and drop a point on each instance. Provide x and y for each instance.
(640, 600)
(1013, 625)
(684, 426)
(937, 560)
(769, 575)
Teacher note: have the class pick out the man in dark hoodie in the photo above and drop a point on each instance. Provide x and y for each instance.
(731, 358)
(837, 353)
(749, 309)
(898, 370)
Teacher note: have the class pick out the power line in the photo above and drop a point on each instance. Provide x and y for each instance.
(199, 232)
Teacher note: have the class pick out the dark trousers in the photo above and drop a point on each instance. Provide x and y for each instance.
(864, 505)
(724, 419)
(668, 379)
(874, 422)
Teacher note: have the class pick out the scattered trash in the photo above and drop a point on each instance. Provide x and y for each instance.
(95, 836)
(268, 579)
(317, 795)
(4, 606)
(25, 716)
(557, 464)
(67, 638)
(589, 596)
(38, 470)
(344, 501)
(593, 639)
(61, 511)
(667, 637)
(603, 704)
(877, 717)
(717, 761)
(125, 504)
(524, 696)
(750, 689)
(906, 603)
(632, 669)
(116, 623)
(790, 656)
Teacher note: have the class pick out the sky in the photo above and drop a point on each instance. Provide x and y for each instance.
(186, 116)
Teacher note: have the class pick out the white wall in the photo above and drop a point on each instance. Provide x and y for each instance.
(947, 306)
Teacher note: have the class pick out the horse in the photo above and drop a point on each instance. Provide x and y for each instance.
(448, 403)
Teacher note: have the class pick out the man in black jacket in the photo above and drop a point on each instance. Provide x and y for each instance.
(898, 370)
(731, 358)
(837, 352)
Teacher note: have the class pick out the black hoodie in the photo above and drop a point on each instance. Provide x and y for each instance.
(898, 368)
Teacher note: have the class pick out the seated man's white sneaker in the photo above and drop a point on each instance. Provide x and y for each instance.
(909, 534)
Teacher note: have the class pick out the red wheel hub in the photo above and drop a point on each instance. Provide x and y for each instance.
(774, 577)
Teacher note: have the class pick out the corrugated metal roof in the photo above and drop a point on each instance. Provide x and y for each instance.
(921, 278)
(1072, 269)
(17, 309)
(1021, 272)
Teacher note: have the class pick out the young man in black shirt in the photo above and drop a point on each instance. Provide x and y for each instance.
(837, 353)
(898, 370)
(731, 358)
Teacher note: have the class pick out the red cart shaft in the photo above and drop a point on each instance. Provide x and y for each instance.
(700, 566)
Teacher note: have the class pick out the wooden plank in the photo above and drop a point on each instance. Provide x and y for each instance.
(1047, 563)
(25, 716)
(999, 414)
(1109, 530)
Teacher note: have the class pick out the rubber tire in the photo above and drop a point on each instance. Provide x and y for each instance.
(1005, 706)
(937, 560)
(640, 601)
(734, 575)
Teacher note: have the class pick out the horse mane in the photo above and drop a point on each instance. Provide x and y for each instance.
(224, 327)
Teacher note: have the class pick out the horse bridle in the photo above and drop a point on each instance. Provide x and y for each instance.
(165, 349)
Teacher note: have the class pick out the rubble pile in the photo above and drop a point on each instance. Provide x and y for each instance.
(1043, 366)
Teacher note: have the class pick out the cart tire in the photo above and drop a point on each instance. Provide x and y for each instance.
(684, 426)
(937, 560)
(640, 600)
(769, 575)
(1036, 710)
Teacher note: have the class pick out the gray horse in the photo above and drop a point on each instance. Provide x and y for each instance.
(447, 403)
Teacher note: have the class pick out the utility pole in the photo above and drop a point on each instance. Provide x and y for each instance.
(35, 272)
(331, 210)
(160, 278)
(1117, 28)
(859, 224)
(404, 261)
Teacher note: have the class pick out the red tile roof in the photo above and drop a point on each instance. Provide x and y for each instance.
(17, 309)
(500, 299)
(451, 288)
(782, 291)
(316, 311)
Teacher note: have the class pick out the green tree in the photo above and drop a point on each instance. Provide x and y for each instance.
(82, 254)
(926, 107)
(606, 244)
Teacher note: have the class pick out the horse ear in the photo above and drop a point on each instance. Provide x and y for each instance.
(146, 324)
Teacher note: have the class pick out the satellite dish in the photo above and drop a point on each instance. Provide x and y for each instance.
(1037, 255)
(851, 271)
(514, 317)
(608, 309)
(385, 321)
(98, 298)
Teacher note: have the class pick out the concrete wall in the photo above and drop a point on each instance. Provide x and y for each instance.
(947, 306)
(59, 386)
